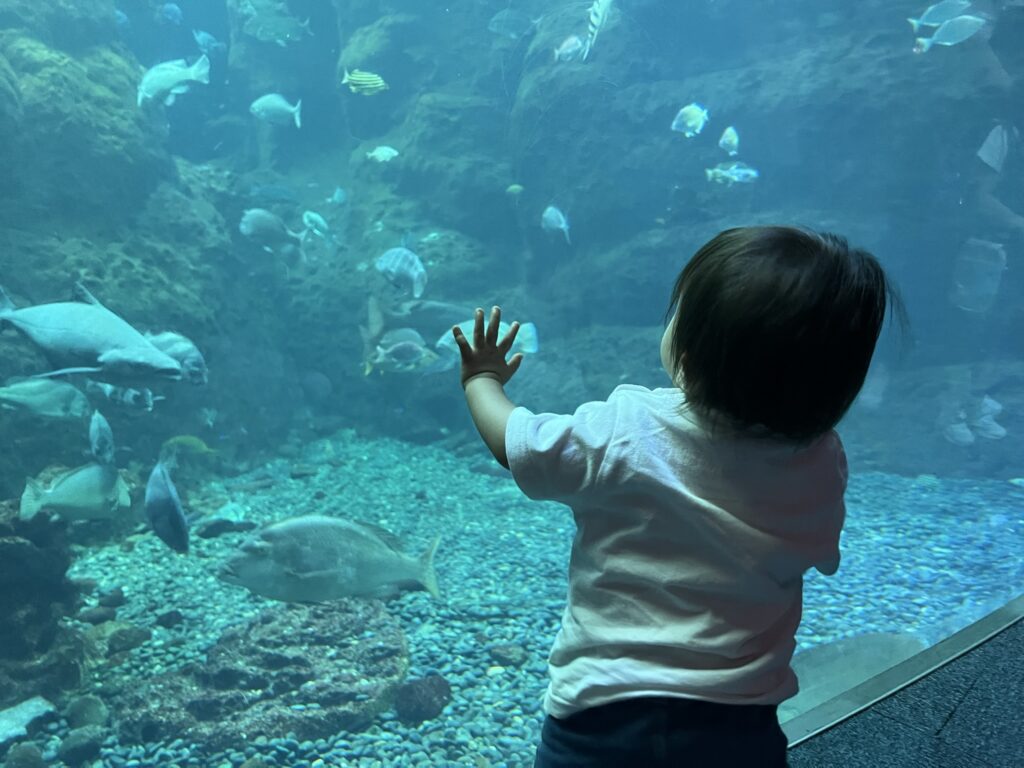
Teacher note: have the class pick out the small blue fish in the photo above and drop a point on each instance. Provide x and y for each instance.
(553, 220)
(171, 13)
(164, 510)
(207, 43)
(124, 24)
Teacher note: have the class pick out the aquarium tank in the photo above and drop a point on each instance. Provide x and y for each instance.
(247, 519)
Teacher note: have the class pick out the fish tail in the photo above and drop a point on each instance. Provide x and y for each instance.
(566, 233)
(915, 24)
(298, 113)
(429, 576)
(31, 500)
(6, 304)
(526, 339)
(201, 70)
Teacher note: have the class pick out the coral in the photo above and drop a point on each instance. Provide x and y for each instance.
(311, 670)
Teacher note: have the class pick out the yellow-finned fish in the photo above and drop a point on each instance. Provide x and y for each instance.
(364, 83)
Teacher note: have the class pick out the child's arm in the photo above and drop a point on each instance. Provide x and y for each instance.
(484, 373)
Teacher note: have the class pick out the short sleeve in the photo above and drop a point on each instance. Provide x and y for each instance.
(558, 457)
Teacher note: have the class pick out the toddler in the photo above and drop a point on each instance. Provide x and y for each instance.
(698, 507)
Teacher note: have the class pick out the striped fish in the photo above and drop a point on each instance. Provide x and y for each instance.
(598, 16)
(365, 83)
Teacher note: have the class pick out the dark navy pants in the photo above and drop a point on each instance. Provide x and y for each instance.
(658, 732)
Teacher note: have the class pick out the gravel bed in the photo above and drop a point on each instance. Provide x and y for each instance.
(920, 555)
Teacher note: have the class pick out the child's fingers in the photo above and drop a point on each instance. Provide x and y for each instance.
(493, 325)
(514, 363)
(478, 328)
(506, 343)
(461, 341)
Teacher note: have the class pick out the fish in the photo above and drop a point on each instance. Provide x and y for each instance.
(141, 399)
(171, 13)
(86, 337)
(172, 78)
(184, 350)
(730, 141)
(514, 190)
(274, 108)
(952, 32)
(338, 197)
(382, 154)
(90, 492)
(101, 439)
(315, 558)
(315, 223)
(207, 43)
(690, 120)
(553, 220)
(364, 83)
(732, 173)
(164, 510)
(938, 14)
(526, 341)
(124, 24)
(569, 49)
(268, 230)
(511, 24)
(403, 269)
(401, 350)
(45, 398)
(597, 18)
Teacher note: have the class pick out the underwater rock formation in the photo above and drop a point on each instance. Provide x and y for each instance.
(312, 670)
(38, 656)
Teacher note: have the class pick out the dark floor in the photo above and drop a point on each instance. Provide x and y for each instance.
(968, 714)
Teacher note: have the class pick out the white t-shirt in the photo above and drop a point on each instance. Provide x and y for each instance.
(686, 573)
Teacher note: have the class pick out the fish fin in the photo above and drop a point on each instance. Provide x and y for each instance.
(169, 100)
(65, 372)
(566, 233)
(526, 339)
(201, 70)
(31, 499)
(298, 113)
(429, 576)
(6, 304)
(915, 24)
(82, 294)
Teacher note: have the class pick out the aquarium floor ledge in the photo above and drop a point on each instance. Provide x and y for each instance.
(968, 713)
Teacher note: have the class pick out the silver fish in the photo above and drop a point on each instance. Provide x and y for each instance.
(403, 269)
(164, 510)
(101, 439)
(402, 350)
(315, 558)
(952, 32)
(86, 337)
(46, 398)
(597, 18)
(553, 220)
(274, 108)
(184, 350)
(939, 13)
(268, 230)
(91, 492)
(172, 78)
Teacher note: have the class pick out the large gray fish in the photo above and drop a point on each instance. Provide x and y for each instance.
(184, 350)
(86, 337)
(47, 398)
(403, 269)
(164, 510)
(91, 492)
(314, 558)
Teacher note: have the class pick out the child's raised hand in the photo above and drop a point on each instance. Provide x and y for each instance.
(487, 353)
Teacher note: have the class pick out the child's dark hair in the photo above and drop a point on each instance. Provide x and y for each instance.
(775, 329)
